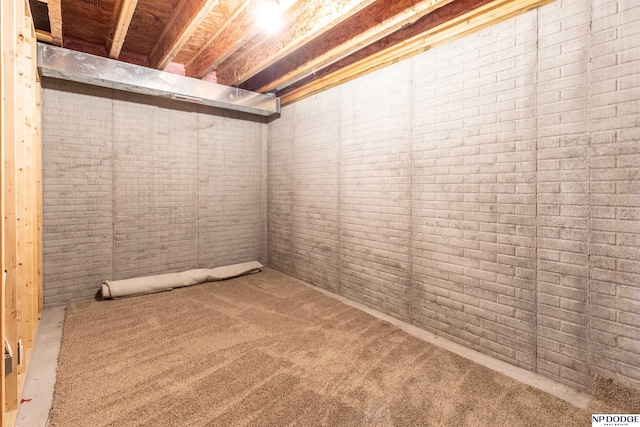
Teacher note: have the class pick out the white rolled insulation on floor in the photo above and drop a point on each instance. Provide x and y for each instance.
(165, 282)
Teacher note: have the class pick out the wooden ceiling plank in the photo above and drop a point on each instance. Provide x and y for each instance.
(44, 36)
(311, 19)
(123, 13)
(433, 22)
(55, 21)
(482, 17)
(237, 29)
(316, 60)
(184, 22)
(377, 21)
(409, 47)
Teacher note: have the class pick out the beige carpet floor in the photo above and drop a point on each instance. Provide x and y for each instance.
(265, 350)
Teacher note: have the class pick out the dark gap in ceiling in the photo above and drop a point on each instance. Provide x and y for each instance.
(40, 13)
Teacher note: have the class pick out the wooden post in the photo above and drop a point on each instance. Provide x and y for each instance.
(20, 136)
(35, 179)
(20, 194)
(38, 194)
(29, 219)
(3, 19)
(9, 199)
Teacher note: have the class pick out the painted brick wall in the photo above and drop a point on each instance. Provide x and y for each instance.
(375, 192)
(77, 192)
(307, 194)
(474, 191)
(155, 180)
(230, 188)
(135, 185)
(563, 191)
(614, 176)
(487, 190)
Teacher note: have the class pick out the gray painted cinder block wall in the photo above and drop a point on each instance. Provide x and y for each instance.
(135, 185)
(487, 190)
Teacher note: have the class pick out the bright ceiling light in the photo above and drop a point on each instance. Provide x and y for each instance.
(269, 16)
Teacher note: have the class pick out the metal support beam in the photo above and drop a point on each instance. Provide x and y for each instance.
(80, 67)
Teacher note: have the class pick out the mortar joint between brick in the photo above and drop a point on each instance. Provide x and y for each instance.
(265, 136)
(113, 187)
(411, 235)
(339, 192)
(198, 187)
(535, 136)
(589, 78)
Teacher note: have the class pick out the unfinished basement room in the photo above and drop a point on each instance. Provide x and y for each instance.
(320, 213)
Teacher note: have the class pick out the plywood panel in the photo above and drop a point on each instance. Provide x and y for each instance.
(233, 34)
(78, 13)
(208, 29)
(180, 28)
(306, 20)
(147, 24)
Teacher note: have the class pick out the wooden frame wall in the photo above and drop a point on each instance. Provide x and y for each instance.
(20, 197)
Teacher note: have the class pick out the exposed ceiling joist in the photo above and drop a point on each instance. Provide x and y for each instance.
(55, 22)
(184, 22)
(44, 36)
(378, 21)
(323, 43)
(477, 19)
(120, 22)
(234, 33)
(313, 18)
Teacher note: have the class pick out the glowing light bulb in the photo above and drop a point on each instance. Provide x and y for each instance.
(269, 16)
